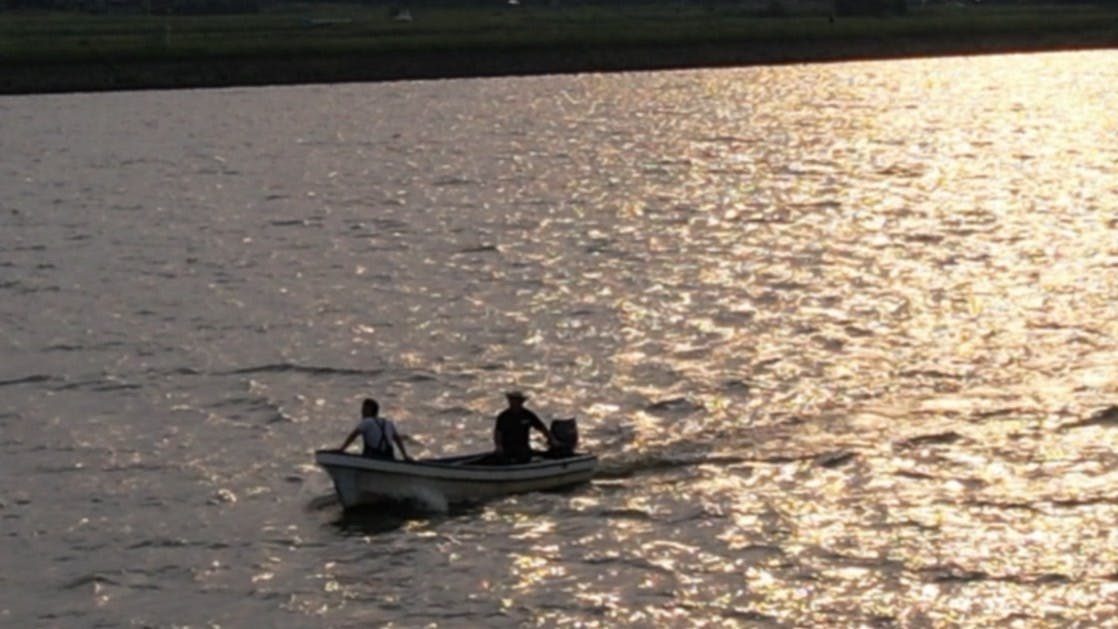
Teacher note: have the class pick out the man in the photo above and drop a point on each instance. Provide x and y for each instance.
(511, 435)
(377, 433)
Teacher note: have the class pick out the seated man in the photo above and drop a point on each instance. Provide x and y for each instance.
(511, 434)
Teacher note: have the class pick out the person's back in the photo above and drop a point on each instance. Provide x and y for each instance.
(514, 425)
(377, 434)
(512, 431)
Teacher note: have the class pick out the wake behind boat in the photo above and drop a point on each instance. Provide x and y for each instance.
(361, 480)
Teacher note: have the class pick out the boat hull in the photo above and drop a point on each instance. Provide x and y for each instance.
(361, 481)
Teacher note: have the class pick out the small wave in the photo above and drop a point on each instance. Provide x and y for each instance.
(673, 406)
(61, 469)
(815, 206)
(133, 578)
(453, 181)
(296, 368)
(89, 579)
(115, 386)
(835, 459)
(914, 475)
(455, 411)
(954, 574)
(736, 387)
(930, 373)
(627, 514)
(901, 170)
(480, 249)
(251, 408)
(419, 377)
(1002, 505)
(724, 139)
(1106, 417)
(163, 542)
(599, 245)
(27, 380)
(182, 371)
(390, 225)
(637, 562)
(1084, 502)
(1045, 578)
(924, 239)
(297, 222)
(939, 438)
(746, 615)
(135, 467)
(789, 286)
(100, 386)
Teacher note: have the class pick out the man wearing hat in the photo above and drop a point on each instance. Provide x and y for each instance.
(511, 435)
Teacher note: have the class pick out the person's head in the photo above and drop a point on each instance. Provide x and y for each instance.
(369, 408)
(516, 398)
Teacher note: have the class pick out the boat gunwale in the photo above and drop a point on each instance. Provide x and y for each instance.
(452, 468)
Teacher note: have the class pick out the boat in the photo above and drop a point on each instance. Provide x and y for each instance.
(362, 481)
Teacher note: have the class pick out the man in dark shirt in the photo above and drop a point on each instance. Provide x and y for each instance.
(512, 432)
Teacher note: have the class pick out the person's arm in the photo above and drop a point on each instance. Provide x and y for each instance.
(497, 444)
(400, 444)
(349, 439)
(540, 426)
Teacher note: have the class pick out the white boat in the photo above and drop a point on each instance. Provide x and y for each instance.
(361, 481)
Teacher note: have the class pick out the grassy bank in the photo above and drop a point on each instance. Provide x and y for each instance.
(49, 52)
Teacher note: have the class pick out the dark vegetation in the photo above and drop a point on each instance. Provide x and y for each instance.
(66, 45)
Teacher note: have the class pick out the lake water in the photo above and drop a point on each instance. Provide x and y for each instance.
(838, 333)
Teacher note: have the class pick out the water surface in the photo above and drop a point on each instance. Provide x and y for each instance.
(837, 331)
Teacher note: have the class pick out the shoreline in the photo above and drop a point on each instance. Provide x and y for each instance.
(98, 76)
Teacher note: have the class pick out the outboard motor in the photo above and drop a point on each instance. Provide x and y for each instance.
(565, 432)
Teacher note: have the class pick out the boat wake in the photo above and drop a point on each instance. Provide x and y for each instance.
(431, 501)
(389, 516)
(323, 502)
(626, 466)
(653, 462)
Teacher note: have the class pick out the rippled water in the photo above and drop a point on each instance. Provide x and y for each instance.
(840, 333)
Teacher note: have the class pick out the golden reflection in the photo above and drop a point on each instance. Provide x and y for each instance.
(835, 337)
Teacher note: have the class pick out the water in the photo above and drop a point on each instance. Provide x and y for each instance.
(837, 331)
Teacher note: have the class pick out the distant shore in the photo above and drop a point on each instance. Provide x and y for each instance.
(136, 73)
